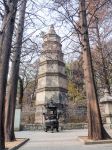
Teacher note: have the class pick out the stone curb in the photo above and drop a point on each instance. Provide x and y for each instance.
(86, 141)
(19, 145)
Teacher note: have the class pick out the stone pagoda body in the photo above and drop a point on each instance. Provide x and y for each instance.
(52, 82)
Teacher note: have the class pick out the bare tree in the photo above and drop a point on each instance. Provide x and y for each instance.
(96, 130)
(5, 49)
(12, 89)
(100, 20)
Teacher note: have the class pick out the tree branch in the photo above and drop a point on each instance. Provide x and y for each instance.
(6, 6)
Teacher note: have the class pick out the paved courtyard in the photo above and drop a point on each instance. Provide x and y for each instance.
(64, 140)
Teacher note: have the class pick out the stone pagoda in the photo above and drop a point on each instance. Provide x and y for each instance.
(52, 82)
(106, 102)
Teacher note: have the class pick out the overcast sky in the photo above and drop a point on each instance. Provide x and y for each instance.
(42, 21)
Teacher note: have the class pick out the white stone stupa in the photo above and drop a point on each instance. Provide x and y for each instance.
(52, 82)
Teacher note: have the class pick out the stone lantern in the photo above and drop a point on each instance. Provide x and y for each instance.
(106, 101)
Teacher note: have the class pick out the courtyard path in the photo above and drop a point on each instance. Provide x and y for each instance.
(64, 140)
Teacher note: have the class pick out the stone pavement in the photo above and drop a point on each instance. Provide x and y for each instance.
(64, 140)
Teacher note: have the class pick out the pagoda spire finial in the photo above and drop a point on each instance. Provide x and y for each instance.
(51, 30)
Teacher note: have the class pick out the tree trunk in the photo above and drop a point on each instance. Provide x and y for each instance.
(21, 91)
(12, 90)
(96, 130)
(5, 49)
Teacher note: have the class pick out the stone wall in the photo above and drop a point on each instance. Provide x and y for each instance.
(68, 126)
(28, 114)
(77, 112)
